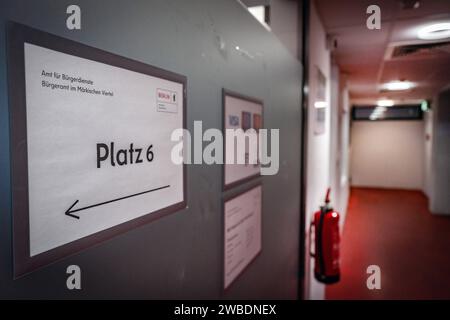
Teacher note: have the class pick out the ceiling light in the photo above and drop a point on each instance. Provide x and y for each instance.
(425, 106)
(397, 85)
(385, 103)
(320, 104)
(435, 31)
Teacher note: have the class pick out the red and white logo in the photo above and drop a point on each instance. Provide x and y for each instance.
(166, 96)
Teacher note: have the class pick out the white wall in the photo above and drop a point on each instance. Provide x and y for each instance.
(440, 158)
(339, 142)
(334, 138)
(388, 154)
(345, 147)
(318, 146)
(428, 119)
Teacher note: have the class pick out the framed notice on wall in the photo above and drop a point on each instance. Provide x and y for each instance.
(241, 112)
(91, 147)
(320, 103)
(242, 232)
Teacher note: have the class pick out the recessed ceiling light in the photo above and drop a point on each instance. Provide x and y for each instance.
(385, 103)
(320, 104)
(397, 85)
(435, 31)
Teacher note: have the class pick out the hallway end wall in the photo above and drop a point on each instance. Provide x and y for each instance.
(388, 154)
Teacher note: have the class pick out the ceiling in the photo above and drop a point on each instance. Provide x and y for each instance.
(361, 52)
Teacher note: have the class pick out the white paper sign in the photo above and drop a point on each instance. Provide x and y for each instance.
(240, 113)
(242, 233)
(98, 146)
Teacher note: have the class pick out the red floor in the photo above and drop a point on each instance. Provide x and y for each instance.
(394, 230)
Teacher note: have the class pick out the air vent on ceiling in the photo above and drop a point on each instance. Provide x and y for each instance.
(418, 50)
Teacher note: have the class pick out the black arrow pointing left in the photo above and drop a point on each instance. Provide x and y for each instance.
(70, 212)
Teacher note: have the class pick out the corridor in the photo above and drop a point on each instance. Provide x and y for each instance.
(394, 230)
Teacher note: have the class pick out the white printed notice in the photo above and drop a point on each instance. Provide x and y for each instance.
(242, 234)
(99, 147)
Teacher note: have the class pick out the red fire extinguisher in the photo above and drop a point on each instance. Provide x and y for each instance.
(325, 228)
